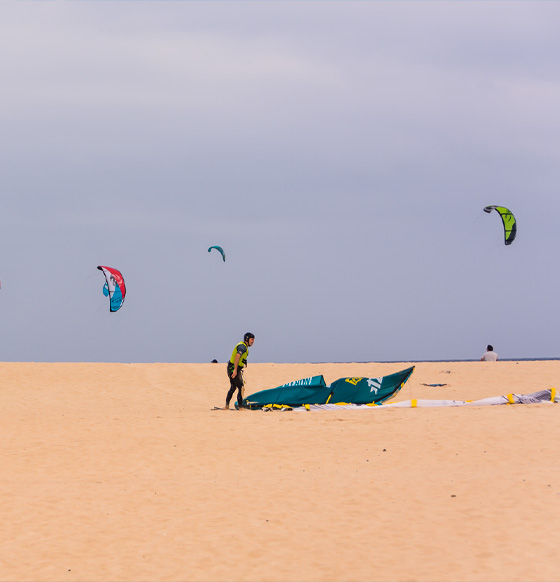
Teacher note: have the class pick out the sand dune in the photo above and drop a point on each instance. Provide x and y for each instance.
(123, 472)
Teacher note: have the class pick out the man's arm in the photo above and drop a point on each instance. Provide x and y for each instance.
(235, 364)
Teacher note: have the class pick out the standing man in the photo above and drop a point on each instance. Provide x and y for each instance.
(235, 366)
(490, 355)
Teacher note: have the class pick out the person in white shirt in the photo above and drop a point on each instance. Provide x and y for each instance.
(490, 355)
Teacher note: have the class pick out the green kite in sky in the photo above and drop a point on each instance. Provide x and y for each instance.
(510, 224)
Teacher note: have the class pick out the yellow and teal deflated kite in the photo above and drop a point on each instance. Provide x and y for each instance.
(314, 390)
(508, 220)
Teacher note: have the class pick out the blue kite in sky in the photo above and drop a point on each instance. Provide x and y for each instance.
(221, 250)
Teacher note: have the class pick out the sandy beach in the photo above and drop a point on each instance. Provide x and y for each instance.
(123, 472)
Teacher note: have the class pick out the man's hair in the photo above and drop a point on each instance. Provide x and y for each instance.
(489, 348)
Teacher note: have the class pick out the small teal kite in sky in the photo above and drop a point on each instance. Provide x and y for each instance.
(221, 250)
(510, 224)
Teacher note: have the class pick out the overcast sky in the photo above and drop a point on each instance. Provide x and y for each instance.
(340, 152)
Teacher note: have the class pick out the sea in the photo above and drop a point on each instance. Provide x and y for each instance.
(473, 360)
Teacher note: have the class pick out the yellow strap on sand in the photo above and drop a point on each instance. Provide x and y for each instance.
(307, 407)
(552, 394)
(413, 403)
(510, 398)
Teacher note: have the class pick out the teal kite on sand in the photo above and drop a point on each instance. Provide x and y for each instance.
(314, 390)
(220, 250)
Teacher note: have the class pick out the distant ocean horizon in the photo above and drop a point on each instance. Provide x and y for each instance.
(553, 359)
(451, 360)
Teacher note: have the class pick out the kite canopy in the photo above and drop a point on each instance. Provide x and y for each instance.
(540, 397)
(114, 287)
(368, 390)
(508, 220)
(345, 390)
(311, 390)
(220, 250)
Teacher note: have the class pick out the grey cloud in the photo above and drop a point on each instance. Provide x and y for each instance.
(340, 152)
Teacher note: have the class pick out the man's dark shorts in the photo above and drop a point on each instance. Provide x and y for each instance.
(236, 382)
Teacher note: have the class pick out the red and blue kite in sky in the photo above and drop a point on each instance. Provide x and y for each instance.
(114, 287)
